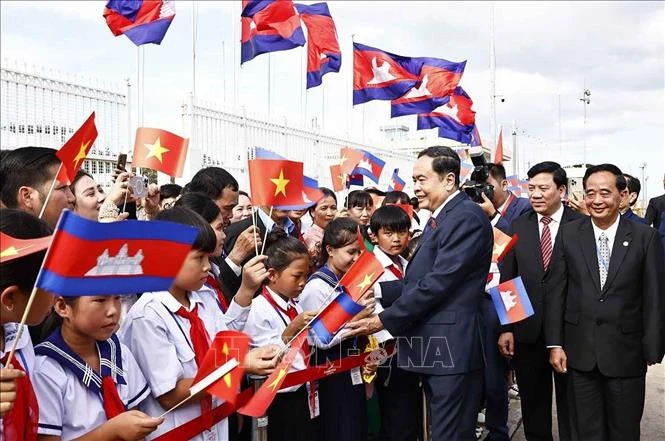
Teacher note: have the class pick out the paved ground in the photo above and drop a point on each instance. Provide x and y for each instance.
(653, 420)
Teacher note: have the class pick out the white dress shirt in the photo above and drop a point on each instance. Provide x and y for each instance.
(610, 232)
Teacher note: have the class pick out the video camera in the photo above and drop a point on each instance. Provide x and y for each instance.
(477, 185)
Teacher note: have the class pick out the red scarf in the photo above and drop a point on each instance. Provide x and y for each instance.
(20, 422)
(113, 405)
(214, 284)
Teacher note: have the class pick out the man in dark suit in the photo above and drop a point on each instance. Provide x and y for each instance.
(625, 207)
(654, 209)
(501, 209)
(524, 341)
(604, 308)
(436, 318)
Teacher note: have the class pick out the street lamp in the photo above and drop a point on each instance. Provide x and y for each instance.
(586, 100)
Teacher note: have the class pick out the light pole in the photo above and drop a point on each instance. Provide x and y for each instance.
(643, 166)
(586, 100)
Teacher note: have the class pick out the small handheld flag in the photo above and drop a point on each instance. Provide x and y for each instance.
(349, 159)
(276, 182)
(370, 166)
(397, 183)
(76, 149)
(498, 153)
(91, 258)
(12, 248)
(362, 275)
(335, 315)
(160, 150)
(338, 177)
(502, 244)
(511, 301)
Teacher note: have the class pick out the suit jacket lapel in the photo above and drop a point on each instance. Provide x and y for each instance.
(588, 244)
(619, 249)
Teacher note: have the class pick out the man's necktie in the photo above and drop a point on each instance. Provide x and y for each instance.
(603, 258)
(431, 226)
(546, 242)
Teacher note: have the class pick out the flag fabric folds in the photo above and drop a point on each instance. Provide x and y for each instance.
(370, 166)
(91, 258)
(160, 150)
(380, 75)
(335, 315)
(454, 119)
(76, 149)
(323, 52)
(14, 248)
(396, 183)
(498, 153)
(142, 21)
(276, 182)
(337, 177)
(349, 159)
(355, 179)
(362, 275)
(475, 138)
(502, 244)
(438, 78)
(269, 26)
(511, 301)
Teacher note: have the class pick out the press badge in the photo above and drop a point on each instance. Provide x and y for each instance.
(356, 376)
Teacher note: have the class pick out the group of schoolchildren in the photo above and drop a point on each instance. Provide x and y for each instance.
(99, 372)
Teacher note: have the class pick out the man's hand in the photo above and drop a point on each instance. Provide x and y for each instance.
(506, 344)
(558, 360)
(151, 202)
(244, 245)
(487, 205)
(577, 204)
(365, 326)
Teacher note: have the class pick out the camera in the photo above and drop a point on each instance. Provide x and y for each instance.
(477, 185)
(139, 186)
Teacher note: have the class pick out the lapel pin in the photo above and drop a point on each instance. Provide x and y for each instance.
(625, 244)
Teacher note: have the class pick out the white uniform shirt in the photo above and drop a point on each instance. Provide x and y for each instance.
(314, 296)
(159, 339)
(69, 409)
(25, 354)
(387, 276)
(266, 324)
(234, 318)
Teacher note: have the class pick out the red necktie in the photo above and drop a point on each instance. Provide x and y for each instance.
(546, 242)
(113, 405)
(20, 422)
(214, 284)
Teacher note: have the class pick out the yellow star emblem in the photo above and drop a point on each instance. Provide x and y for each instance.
(227, 377)
(367, 281)
(156, 150)
(281, 374)
(280, 183)
(342, 160)
(12, 251)
(342, 178)
(81, 155)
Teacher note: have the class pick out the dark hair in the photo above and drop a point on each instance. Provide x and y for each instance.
(282, 250)
(79, 175)
(21, 271)
(376, 191)
(396, 197)
(326, 194)
(206, 240)
(558, 174)
(359, 198)
(200, 204)
(25, 166)
(167, 191)
(339, 233)
(498, 171)
(212, 181)
(634, 186)
(445, 161)
(411, 247)
(390, 217)
(414, 203)
(611, 168)
(244, 193)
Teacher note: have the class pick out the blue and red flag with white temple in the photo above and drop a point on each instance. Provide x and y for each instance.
(511, 301)
(335, 315)
(269, 26)
(380, 75)
(92, 258)
(438, 78)
(323, 52)
(142, 21)
(396, 183)
(370, 166)
(355, 179)
(454, 119)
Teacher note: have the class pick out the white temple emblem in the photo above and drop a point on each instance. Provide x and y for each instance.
(364, 163)
(381, 73)
(508, 299)
(448, 110)
(417, 92)
(120, 265)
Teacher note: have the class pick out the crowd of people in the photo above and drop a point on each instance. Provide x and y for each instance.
(108, 367)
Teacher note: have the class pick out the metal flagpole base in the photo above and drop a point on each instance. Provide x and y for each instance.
(260, 424)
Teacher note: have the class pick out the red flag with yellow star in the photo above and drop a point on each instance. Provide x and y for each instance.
(349, 159)
(76, 149)
(259, 403)
(160, 150)
(276, 182)
(12, 248)
(362, 275)
(338, 178)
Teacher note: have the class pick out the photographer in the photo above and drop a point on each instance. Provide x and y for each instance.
(503, 206)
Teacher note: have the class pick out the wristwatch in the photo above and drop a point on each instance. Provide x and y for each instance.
(496, 213)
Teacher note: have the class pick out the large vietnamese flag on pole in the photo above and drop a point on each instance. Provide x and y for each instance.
(76, 149)
(160, 150)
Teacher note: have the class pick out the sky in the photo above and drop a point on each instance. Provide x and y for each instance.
(547, 53)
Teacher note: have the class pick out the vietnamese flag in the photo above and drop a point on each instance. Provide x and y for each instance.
(502, 244)
(408, 208)
(76, 149)
(12, 248)
(338, 178)
(160, 150)
(498, 153)
(226, 346)
(349, 159)
(261, 400)
(362, 275)
(276, 182)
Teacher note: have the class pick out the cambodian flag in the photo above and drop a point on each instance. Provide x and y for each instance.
(455, 119)
(142, 21)
(370, 166)
(91, 258)
(269, 26)
(397, 183)
(438, 78)
(475, 138)
(511, 301)
(323, 52)
(334, 316)
(380, 75)
(355, 179)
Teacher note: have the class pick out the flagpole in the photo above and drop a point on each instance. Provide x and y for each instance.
(194, 12)
(265, 236)
(254, 215)
(269, 86)
(50, 191)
